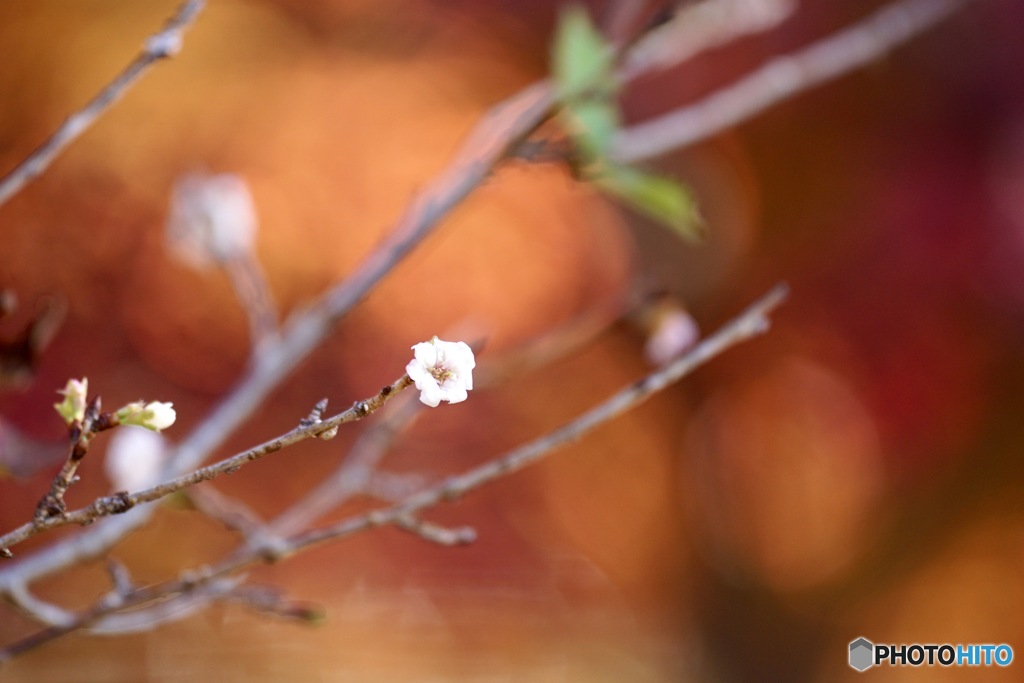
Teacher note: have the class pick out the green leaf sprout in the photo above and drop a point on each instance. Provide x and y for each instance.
(583, 66)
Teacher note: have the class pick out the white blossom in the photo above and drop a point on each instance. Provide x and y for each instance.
(442, 371)
(154, 415)
(135, 458)
(212, 219)
(72, 408)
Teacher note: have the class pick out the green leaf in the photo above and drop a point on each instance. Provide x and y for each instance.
(657, 197)
(581, 58)
(594, 123)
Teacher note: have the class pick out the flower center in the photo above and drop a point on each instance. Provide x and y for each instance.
(441, 373)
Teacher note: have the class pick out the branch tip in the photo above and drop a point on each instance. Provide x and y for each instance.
(315, 415)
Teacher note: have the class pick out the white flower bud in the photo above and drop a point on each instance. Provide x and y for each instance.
(154, 415)
(212, 219)
(135, 458)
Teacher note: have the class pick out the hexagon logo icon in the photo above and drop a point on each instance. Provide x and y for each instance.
(861, 651)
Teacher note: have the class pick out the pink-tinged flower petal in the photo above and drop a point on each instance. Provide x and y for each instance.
(442, 371)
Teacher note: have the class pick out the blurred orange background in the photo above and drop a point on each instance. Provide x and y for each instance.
(853, 473)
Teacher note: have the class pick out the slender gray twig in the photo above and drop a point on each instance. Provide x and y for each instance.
(750, 323)
(113, 608)
(253, 292)
(166, 43)
(487, 145)
(123, 501)
(700, 26)
(491, 140)
(354, 474)
(782, 78)
(233, 513)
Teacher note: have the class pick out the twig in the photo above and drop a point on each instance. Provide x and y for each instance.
(123, 501)
(234, 514)
(357, 473)
(556, 343)
(123, 619)
(120, 578)
(436, 533)
(491, 139)
(781, 78)
(162, 45)
(496, 134)
(622, 17)
(702, 26)
(485, 147)
(43, 612)
(270, 600)
(353, 476)
(52, 504)
(391, 487)
(193, 593)
(750, 323)
(250, 285)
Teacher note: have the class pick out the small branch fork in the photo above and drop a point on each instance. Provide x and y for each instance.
(52, 505)
(751, 323)
(494, 140)
(496, 136)
(121, 502)
(782, 78)
(159, 46)
(354, 475)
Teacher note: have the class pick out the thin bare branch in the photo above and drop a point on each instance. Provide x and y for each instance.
(195, 593)
(622, 18)
(42, 611)
(489, 143)
(782, 78)
(166, 43)
(122, 502)
(749, 324)
(52, 504)
(270, 600)
(124, 620)
(492, 139)
(436, 533)
(701, 26)
(391, 487)
(253, 292)
(497, 133)
(233, 513)
(355, 473)
(120, 577)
